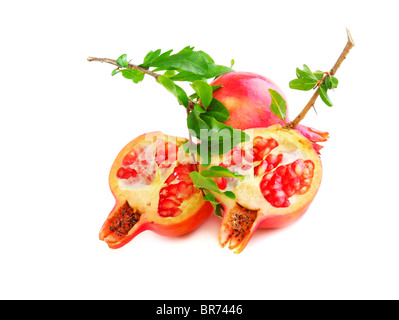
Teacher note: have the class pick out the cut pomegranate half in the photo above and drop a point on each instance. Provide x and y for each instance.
(283, 180)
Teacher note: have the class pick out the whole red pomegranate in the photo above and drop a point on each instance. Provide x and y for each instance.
(153, 190)
(282, 174)
(247, 98)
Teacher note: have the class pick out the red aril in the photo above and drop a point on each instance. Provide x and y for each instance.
(153, 190)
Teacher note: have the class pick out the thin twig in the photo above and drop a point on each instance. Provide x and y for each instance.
(130, 66)
(349, 45)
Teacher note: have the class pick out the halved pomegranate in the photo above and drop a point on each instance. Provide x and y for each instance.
(282, 176)
(151, 184)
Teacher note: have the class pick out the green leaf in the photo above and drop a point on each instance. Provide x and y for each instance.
(324, 96)
(232, 63)
(304, 84)
(115, 71)
(198, 108)
(230, 194)
(327, 83)
(305, 73)
(204, 91)
(193, 96)
(165, 54)
(195, 124)
(211, 198)
(334, 81)
(319, 74)
(122, 61)
(215, 70)
(187, 49)
(278, 105)
(216, 138)
(200, 181)
(187, 76)
(220, 138)
(214, 88)
(150, 57)
(217, 110)
(206, 56)
(177, 91)
(185, 60)
(216, 205)
(169, 73)
(215, 124)
(218, 171)
(133, 74)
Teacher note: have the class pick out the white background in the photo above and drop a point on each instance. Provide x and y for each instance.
(63, 121)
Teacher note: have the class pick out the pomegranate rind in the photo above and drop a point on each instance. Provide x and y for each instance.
(145, 198)
(249, 196)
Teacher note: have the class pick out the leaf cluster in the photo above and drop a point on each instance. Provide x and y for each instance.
(205, 114)
(123, 67)
(308, 80)
(205, 122)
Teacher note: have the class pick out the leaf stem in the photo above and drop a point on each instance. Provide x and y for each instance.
(349, 45)
(130, 66)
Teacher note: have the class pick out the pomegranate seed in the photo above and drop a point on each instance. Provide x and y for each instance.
(249, 156)
(171, 151)
(307, 182)
(236, 155)
(289, 190)
(286, 181)
(304, 189)
(260, 169)
(246, 167)
(260, 142)
(281, 170)
(297, 166)
(221, 182)
(165, 165)
(171, 189)
(164, 213)
(167, 204)
(279, 202)
(126, 173)
(295, 183)
(129, 159)
(174, 212)
(166, 152)
(172, 195)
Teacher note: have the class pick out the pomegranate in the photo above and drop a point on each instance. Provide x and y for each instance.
(247, 98)
(282, 174)
(153, 190)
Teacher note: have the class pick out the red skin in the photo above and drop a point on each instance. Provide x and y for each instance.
(246, 96)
